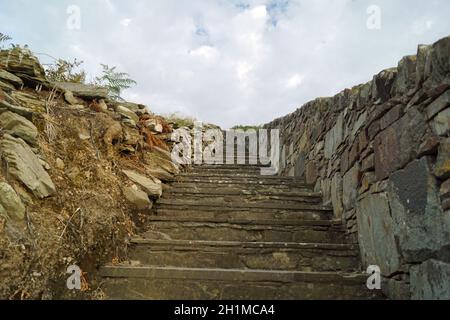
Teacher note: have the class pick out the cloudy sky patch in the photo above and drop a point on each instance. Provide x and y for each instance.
(229, 62)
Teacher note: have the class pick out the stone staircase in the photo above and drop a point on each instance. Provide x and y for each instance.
(226, 232)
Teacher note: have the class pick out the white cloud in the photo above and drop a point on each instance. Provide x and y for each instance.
(259, 12)
(294, 81)
(206, 53)
(125, 22)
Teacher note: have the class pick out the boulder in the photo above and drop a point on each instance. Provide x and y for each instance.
(423, 52)
(430, 280)
(311, 173)
(137, 197)
(437, 64)
(159, 160)
(154, 125)
(83, 90)
(406, 75)
(10, 203)
(9, 77)
(442, 168)
(29, 101)
(350, 187)
(137, 108)
(416, 212)
(382, 84)
(336, 195)
(127, 113)
(299, 169)
(70, 98)
(25, 166)
(151, 186)
(441, 123)
(102, 106)
(4, 105)
(19, 127)
(375, 231)
(442, 102)
(22, 63)
(399, 143)
(334, 137)
(161, 174)
(6, 86)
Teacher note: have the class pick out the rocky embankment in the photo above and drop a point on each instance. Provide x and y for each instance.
(78, 174)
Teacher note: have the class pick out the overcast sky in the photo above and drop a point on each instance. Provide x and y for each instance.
(229, 62)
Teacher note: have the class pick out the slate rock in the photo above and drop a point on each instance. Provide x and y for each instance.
(127, 113)
(336, 195)
(11, 78)
(437, 65)
(399, 143)
(334, 137)
(83, 90)
(19, 127)
(442, 167)
(430, 280)
(442, 102)
(406, 75)
(350, 187)
(150, 185)
(25, 166)
(441, 123)
(137, 197)
(10, 203)
(375, 231)
(22, 63)
(416, 211)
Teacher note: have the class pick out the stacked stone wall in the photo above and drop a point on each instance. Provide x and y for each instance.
(380, 154)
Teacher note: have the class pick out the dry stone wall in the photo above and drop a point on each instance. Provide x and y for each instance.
(380, 154)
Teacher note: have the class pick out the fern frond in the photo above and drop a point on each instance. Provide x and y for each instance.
(116, 82)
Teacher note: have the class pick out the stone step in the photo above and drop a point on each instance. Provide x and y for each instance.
(226, 166)
(253, 171)
(245, 255)
(147, 282)
(240, 180)
(234, 175)
(177, 228)
(230, 214)
(307, 197)
(236, 202)
(237, 187)
(234, 160)
(180, 191)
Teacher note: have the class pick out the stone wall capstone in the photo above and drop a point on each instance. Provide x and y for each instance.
(380, 154)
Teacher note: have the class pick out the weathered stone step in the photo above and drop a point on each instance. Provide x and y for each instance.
(245, 255)
(224, 172)
(237, 187)
(234, 161)
(230, 214)
(308, 197)
(317, 231)
(236, 202)
(145, 282)
(180, 191)
(227, 166)
(232, 175)
(243, 180)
